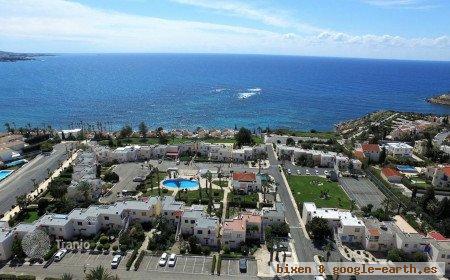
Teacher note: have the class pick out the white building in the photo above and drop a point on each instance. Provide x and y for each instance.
(348, 227)
(246, 182)
(399, 149)
(195, 221)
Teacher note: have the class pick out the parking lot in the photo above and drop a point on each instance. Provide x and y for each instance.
(89, 261)
(184, 264)
(231, 268)
(302, 170)
(363, 191)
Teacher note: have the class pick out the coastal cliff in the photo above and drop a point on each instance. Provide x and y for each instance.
(443, 99)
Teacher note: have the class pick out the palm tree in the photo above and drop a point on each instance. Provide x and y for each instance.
(157, 181)
(99, 273)
(22, 201)
(208, 177)
(66, 276)
(352, 205)
(328, 249)
(85, 189)
(386, 203)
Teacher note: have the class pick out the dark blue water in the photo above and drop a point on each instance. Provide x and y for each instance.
(187, 91)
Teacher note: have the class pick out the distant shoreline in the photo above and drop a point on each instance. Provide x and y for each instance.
(443, 99)
(13, 57)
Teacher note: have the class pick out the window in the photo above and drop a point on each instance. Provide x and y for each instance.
(199, 231)
(80, 223)
(406, 245)
(357, 229)
(192, 221)
(186, 221)
(144, 214)
(106, 218)
(443, 256)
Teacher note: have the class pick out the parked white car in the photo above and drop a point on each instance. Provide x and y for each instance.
(172, 260)
(298, 171)
(60, 255)
(115, 261)
(307, 172)
(163, 259)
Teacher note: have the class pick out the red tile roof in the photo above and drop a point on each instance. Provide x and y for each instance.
(374, 232)
(388, 172)
(437, 236)
(372, 148)
(244, 177)
(446, 170)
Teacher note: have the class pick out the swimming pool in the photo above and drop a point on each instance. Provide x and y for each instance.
(406, 169)
(181, 184)
(4, 174)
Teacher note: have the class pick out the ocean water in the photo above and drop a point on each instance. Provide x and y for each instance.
(187, 91)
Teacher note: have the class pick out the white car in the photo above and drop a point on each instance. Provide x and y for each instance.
(163, 259)
(289, 171)
(172, 260)
(325, 172)
(307, 172)
(298, 171)
(317, 172)
(60, 254)
(115, 261)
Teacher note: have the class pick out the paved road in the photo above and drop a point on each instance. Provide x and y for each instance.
(20, 183)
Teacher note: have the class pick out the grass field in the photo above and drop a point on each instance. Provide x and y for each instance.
(308, 189)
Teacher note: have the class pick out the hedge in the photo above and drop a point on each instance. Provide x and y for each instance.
(26, 277)
(219, 264)
(7, 277)
(213, 265)
(132, 257)
(139, 260)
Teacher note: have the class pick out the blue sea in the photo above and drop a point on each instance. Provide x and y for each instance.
(192, 90)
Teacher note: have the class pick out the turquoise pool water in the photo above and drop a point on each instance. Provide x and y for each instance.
(180, 183)
(4, 174)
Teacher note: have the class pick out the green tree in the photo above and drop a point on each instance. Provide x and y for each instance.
(244, 137)
(126, 131)
(85, 190)
(396, 255)
(22, 201)
(382, 158)
(319, 228)
(290, 142)
(111, 177)
(57, 189)
(16, 248)
(99, 273)
(143, 129)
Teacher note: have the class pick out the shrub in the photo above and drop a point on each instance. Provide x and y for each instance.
(353, 259)
(123, 248)
(8, 276)
(219, 264)
(132, 257)
(115, 247)
(206, 250)
(103, 239)
(139, 260)
(26, 277)
(106, 246)
(213, 265)
(50, 252)
(92, 245)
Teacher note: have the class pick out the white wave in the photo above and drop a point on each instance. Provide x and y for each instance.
(218, 90)
(255, 89)
(245, 95)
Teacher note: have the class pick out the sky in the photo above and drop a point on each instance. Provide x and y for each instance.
(391, 29)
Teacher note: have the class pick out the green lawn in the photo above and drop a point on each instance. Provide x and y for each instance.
(223, 183)
(30, 217)
(243, 200)
(308, 188)
(193, 197)
(154, 192)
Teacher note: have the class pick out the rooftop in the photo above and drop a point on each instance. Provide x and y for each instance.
(388, 172)
(244, 176)
(370, 148)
